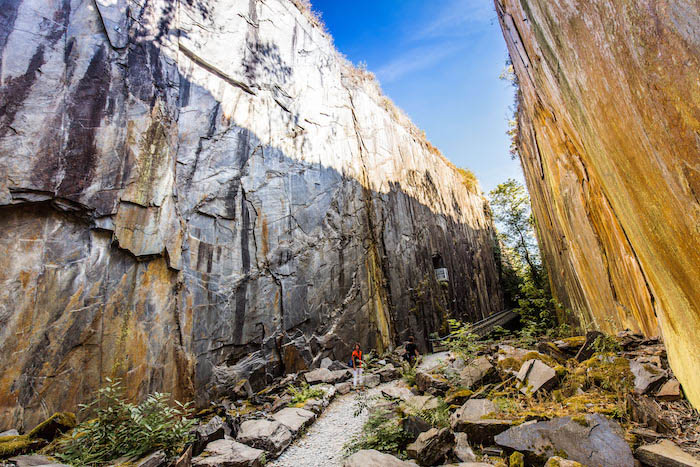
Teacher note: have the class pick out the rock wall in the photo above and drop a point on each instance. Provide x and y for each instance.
(609, 137)
(196, 191)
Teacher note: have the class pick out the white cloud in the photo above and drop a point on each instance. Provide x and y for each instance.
(416, 59)
(457, 18)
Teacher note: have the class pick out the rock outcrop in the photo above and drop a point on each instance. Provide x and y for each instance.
(205, 184)
(609, 138)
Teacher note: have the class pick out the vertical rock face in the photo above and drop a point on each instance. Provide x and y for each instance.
(609, 138)
(194, 185)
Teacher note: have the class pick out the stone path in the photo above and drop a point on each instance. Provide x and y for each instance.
(323, 442)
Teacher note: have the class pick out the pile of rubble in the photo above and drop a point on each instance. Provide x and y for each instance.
(589, 400)
(245, 429)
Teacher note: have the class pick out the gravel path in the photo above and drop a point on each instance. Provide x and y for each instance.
(322, 445)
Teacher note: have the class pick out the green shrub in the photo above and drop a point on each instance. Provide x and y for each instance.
(462, 340)
(438, 417)
(381, 432)
(304, 393)
(606, 345)
(408, 373)
(122, 429)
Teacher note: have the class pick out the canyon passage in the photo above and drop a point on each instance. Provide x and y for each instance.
(199, 197)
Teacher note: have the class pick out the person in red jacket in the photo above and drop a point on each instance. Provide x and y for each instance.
(356, 365)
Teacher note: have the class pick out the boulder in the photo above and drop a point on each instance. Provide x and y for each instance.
(587, 350)
(591, 439)
(462, 450)
(372, 458)
(336, 365)
(343, 388)
(470, 419)
(295, 419)
(319, 375)
(372, 381)
(431, 446)
(551, 349)
(670, 391)
(426, 382)
(271, 436)
(418, 403)
(476, 372)
(326, 362)
(12, 432)
(414, 425)
(536, 375)
(339, 376)
(647, 376)
(389, 373)
(208, 432)
(397, 392)
(228, 453)
(53, 426)
(557, 461)
(155, 459)
(665, 454)
(32, 461)
(281, 402)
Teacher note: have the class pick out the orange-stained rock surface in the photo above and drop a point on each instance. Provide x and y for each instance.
(609, 137)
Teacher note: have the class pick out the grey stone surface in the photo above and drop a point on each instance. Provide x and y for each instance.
(271, 436)
(432, 446)
(462, 450)
(295, 419)
(471, 419)
(155, 459)
(646, 376)
(597, 441)
(557, 461)
(372, 458)
(319, 375)
(227, 453)
(476, 372)
(214, 429)
(343, 388)
(34, 460)
(665, 454)
(372, 381)
(190, 180)
(535, 376)
(11, 432)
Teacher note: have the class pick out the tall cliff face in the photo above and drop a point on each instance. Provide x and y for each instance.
(609, 138)
(196, 189)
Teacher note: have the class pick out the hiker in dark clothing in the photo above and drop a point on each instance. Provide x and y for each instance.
(412, 353)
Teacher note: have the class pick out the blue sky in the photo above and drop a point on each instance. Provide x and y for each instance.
(439, 61)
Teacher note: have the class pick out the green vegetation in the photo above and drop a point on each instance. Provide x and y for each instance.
(469, 180)
(438, 417)
(462, 340)
(382, 432)
(305, 392)
(408, 373)
(122, 429)
(523, 274)
(606, 345)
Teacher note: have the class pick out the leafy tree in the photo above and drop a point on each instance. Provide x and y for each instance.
(523, 275)
(511, 205)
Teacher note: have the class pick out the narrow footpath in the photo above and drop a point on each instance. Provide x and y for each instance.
(324, 440)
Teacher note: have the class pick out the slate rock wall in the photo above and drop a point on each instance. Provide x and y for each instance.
(194, 192)
(609, 119)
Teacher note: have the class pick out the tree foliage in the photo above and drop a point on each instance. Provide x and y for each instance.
(122, 429)
(523, 274)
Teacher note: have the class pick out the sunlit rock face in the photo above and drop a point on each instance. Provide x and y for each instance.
(610, 142)
(191, 185)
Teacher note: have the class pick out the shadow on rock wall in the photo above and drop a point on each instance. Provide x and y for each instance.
(155, 239)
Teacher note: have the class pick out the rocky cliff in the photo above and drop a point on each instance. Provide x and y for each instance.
(609, 137)
(198, 191)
